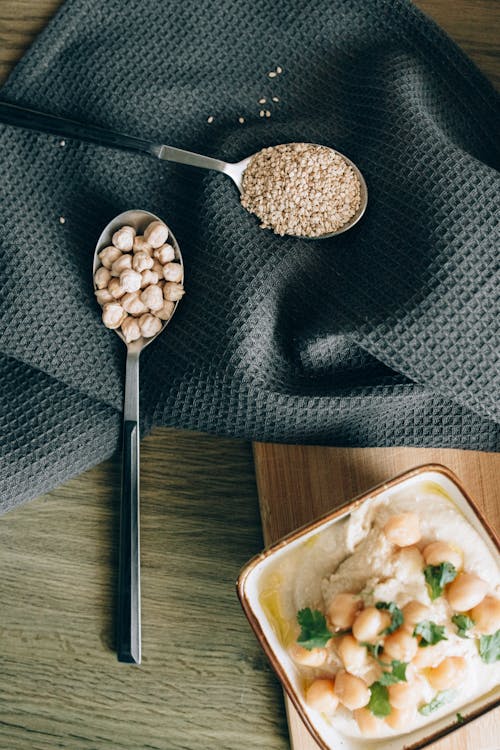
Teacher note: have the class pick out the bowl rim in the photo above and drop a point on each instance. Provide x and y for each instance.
(341, 510)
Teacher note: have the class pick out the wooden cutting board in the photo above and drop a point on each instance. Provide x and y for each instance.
(299, 483)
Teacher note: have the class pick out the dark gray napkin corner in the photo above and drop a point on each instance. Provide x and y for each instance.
(382, 336)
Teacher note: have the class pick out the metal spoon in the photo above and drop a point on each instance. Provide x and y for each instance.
(128, 620)
(11, 114)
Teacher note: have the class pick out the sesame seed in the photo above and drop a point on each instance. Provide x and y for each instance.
(210, 119)
(62, 220)
(263, 100)
(279, 69)
(268, 114)
(241, 120)
(275, 99)
(262, 113)
(62, 143)
(272, 74)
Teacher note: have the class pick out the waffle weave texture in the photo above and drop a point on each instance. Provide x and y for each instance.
(382, 336)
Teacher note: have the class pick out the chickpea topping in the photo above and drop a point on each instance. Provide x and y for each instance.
(172, 272)
(352, 691)
(148, 278)
(436, 553)
(369, 724)
(449, 673)
(165, 312)
(109, 255)
(152, 297)
(400, 645)
(133, 304)
(103, 296)
(315, 657)
(164, 254)
(131, 329)
(413, 613)
(403, 529)
(115, 288)
(400, 718)
(428, 656)
(130, 280)
(173, 291)
(102, 277)
(157, 268)
(369, 624)
(113, 315)
(142, 261)
(156, 234)
(486, 615)
(404, 695)
(121, 264)
(466, 591)
(141, 246)
(343, 609)
(320, 695)
(353, 655)
(123, 239)
(149, 325)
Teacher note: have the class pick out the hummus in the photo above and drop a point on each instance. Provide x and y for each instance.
(437, 659)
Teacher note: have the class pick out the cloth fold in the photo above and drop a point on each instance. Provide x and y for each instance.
(382, 336)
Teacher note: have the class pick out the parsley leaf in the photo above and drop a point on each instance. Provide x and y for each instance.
(396, 616)
(398, 673)
(372, 648)
(379, 700)
(437, 576)
(460, 718)
(430, 632)
(439, 700)
(314, 633)
(463, 624)
(489, 647)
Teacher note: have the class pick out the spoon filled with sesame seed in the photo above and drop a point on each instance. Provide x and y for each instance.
(300, 189)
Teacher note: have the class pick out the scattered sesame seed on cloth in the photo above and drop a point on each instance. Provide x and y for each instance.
(301, 189)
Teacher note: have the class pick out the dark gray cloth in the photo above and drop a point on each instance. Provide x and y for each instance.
(382, 336)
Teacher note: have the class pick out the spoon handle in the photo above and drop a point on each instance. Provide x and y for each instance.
(21, 117)
(128, 622)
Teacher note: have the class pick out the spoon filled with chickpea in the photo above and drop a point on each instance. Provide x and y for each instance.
(300, 189)
(138, 277)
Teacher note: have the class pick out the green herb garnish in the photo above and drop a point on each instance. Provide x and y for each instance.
(396, 616)
(314, 633)
(439, 700)
(430, 633)
(463, 624)
(372, 648)
(398, 674)
(379, 700)
(460, 718)
(437, 576)
(489, 647)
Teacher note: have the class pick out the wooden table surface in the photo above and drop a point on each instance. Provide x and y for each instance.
(204, 682)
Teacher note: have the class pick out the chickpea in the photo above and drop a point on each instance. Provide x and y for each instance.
(165, 312)
(148, 278)
(343, 609)
(142, 261)
(466, 591)
(413, 613)
(314, 657)
(400, 718)
(123, 239)
(115, 288)
(157, 268)
(109, 255)
(439, 552)
(486, 615)
(172, 272)
(103, 296)
(353, 655)
(130, 280)
(320, 695)
(152, 297)
(369, 724)
(131, 329)
(400, 645)
(113, 315)
(121, 264)
(449, 673)
(141, 246)
(403, 529)
(404, 695)
(102, 277)
(173, 291)
(428, 656)
(352, 691)
(164, 254)
(156, 234)
(369, 624)
(133, 304)
(149, 325)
